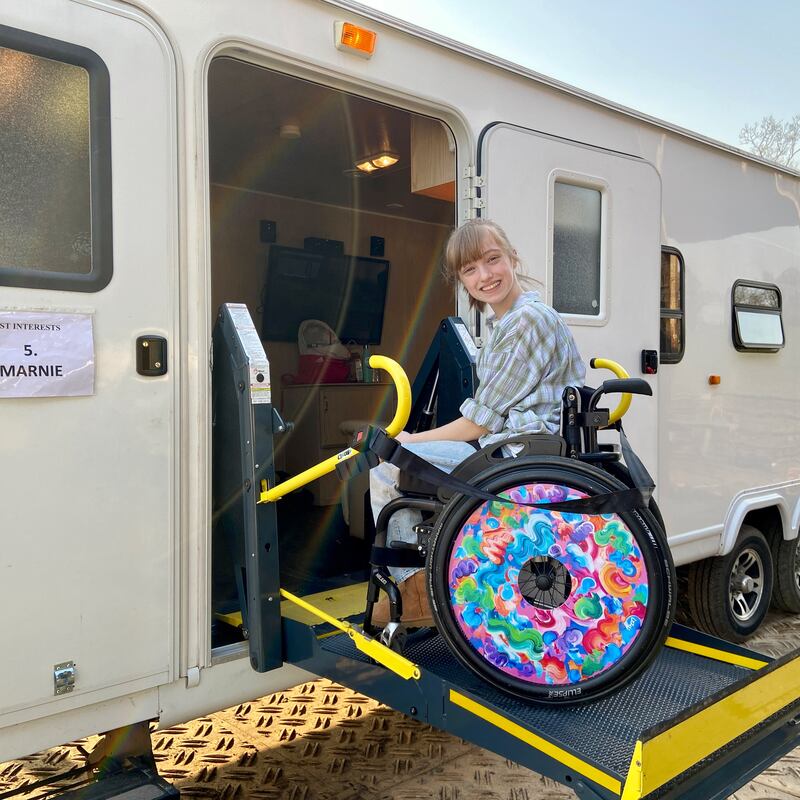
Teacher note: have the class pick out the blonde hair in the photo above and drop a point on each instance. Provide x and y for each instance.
(465, 245)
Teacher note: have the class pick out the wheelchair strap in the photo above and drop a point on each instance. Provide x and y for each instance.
(389, 449)
(396, 557)
(638, 472)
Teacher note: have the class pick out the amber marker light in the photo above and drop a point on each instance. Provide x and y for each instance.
(714, 380)
(355, 40)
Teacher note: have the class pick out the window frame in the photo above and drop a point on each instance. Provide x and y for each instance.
(672, 313)
(736, 338)
(582, 181)
(99, 165)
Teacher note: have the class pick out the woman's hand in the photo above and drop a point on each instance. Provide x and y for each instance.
(403, 436)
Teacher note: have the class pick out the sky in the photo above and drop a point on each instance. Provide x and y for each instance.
(711, 66)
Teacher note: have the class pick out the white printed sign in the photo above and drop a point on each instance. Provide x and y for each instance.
(260, 389)
(46, 354)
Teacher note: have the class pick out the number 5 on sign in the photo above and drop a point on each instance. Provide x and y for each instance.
(46, 355)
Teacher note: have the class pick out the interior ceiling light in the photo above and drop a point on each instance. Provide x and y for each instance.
(290, 131)
(378, 161)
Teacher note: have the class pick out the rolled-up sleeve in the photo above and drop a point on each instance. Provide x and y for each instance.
(482, 415)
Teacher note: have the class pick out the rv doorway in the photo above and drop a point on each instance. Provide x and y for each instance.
(333, 207)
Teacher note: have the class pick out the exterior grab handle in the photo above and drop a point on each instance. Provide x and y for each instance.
(403, 389)
(620, 372)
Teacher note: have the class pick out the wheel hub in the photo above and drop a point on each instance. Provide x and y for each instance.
(545, 582)
(796, 564)
(746, 585)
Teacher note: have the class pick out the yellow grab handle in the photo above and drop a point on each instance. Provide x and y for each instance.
(403, 388)
(620, 372)
(366, 644)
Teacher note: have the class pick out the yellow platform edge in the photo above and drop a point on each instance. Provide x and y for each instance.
(566, 758)
(659, 760)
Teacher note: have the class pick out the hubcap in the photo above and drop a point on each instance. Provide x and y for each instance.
(746, 585)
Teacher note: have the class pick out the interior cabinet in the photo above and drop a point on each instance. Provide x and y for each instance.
(324, 417)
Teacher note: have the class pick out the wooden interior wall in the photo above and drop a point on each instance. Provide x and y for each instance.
(417, 297)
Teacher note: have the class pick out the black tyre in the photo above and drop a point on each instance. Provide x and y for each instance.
(786, 569)
(549, 606)
(729, 596)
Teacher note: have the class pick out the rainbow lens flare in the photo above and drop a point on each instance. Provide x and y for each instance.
(544, 596)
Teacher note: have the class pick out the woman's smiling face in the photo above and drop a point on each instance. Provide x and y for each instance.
(490, 278)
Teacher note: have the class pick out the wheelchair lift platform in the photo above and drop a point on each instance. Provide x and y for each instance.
(702, 720)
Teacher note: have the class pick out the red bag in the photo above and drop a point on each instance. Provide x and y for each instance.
(322, 369)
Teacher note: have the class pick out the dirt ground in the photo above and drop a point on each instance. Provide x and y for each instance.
(320, 741)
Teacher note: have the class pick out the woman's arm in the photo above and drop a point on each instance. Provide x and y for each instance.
(459, 430)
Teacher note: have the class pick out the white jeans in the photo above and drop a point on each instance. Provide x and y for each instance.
(383, 488)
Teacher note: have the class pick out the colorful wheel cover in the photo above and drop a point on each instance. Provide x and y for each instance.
(547, 597)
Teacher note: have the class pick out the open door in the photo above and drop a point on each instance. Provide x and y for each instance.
(585, 222)
(88, 265)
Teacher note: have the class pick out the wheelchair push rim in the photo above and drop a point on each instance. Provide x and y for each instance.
(548, 605)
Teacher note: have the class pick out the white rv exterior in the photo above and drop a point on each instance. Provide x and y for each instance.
(106, 504)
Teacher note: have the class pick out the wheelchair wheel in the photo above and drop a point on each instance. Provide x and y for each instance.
(550, 606)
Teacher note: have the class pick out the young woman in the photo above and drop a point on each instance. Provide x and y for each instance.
(528, 360)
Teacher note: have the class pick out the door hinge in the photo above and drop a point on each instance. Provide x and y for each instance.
(63, 677)
(192, 677)
(471, 184)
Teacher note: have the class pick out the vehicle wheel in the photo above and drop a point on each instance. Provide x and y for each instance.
(550, 606)
(729, 596)
(786, 561)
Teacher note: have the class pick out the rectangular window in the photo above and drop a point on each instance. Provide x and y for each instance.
(672, 308)
(756, 317)
(576, 249)
(55, 161)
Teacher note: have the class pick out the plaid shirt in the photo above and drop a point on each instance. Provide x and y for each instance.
(528, 361)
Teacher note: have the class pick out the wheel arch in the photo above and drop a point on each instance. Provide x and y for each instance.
(769, 513)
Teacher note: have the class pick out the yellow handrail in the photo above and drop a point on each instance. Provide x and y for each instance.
(620, 372)
(403, 389)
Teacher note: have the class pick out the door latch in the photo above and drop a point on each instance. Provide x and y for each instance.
(649, 362)
(151, 355)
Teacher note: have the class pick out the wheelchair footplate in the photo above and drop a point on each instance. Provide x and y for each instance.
(703, 719)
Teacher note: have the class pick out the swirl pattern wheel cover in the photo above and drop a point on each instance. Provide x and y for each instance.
(592, 585)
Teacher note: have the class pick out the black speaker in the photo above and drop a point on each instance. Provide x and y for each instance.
(267, 231)
(376, 246)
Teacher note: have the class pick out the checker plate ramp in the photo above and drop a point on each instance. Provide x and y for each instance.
(689, 726)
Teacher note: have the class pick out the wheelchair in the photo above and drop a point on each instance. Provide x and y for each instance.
(550, 606)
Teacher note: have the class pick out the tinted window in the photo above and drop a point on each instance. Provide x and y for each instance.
(576, 249)
(55, 163)
(672, 309)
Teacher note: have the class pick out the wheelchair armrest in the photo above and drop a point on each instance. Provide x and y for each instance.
(627, 385)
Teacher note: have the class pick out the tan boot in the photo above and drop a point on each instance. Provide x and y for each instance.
(416, 608)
